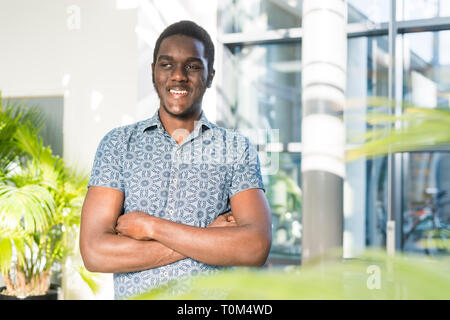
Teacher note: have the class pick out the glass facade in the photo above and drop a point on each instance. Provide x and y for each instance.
(426, 181)
(267, 95)
(259, 15)
(367, 76)
(364, 11)
(426, 69)
(284, 194)
(422, 9)
(268, 80)
(426, 215)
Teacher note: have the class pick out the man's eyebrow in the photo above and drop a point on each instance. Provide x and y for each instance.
(162, 57)
(190, 59)
(194, 59)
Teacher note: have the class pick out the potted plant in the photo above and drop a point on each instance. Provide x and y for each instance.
(40, 204)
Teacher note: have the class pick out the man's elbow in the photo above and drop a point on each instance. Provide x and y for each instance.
(89, 255)
(261, 251)
(88, 260)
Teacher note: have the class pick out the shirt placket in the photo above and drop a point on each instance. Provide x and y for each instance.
(177, 156)
(173, 183)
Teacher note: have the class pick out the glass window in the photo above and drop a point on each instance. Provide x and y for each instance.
(367, 76)
(268, 89)
(422, 9)
(426, 200)
(259, 15)
(362, 11)
(426, 216)
(426, 62)
(284, 195)
(377, 196)
(267, 86)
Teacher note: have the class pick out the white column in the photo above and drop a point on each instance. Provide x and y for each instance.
(324, 53)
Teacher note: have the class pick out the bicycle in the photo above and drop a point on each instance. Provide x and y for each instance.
(427, 227)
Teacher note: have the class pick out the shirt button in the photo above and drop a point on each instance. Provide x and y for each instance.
(174, 180)
(166, 274)
(171, 211)
(178, 152)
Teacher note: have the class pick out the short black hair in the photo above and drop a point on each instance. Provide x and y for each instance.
(190, 29)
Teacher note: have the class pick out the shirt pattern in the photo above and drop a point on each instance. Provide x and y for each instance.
(191, 183)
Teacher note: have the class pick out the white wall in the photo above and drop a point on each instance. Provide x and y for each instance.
(46, 50)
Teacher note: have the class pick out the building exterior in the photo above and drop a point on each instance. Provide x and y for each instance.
(90, 61)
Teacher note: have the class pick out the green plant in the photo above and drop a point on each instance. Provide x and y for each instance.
(374, 275)
(416, 129)
(40, 203)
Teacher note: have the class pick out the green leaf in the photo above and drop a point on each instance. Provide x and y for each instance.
(5, 255)
(420, 128)
(400, 277)
(88, 277)
(30, 207)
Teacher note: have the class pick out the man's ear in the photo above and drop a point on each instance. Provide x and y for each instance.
(153, 72)
(210, 78)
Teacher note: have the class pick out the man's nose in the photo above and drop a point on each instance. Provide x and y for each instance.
(179, 73)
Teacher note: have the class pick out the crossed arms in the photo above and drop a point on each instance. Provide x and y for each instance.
(114, 243)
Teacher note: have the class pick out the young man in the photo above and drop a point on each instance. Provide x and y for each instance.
(157, 207)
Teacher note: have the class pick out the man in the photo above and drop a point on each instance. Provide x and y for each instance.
(175, 177)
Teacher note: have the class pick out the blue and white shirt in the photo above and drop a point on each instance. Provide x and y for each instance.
(191, 183)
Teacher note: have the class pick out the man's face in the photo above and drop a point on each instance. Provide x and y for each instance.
(180, 75)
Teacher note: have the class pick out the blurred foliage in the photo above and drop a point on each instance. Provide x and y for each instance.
(416, 129)
(374, 275)
(40, 202)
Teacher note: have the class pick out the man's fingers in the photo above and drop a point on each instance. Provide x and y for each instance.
(230, 217)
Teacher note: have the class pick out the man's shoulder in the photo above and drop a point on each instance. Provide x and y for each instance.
(237, 142)
(123, 133)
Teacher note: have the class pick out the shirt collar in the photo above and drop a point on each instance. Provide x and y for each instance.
(152, 122)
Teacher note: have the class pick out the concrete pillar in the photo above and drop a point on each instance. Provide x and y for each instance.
(324, 52)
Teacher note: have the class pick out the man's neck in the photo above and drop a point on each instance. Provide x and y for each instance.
(178, 128)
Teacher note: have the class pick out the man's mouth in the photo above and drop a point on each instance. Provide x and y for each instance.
(178, 92)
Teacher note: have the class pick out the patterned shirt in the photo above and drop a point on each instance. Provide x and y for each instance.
(191, 183)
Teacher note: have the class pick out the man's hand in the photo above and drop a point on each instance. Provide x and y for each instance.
(224, 220)
(135, 225)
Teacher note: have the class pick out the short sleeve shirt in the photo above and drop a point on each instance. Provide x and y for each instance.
(191, 183)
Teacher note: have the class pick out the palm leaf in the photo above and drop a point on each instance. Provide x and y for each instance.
(12, 117)
(29, 207)
(420, 128)
(5, 254)
(88, 278)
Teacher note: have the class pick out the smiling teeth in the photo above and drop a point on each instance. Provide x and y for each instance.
(178, 91)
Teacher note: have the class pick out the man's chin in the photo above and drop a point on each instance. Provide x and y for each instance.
(180, 112)
(177, 110)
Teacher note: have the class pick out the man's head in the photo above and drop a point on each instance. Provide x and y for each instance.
(182, 67)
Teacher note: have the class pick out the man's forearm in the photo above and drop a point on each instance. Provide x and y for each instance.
(112, 253)
(226, 246)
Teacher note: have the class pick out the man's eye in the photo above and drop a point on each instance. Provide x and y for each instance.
(193, 67)
(165, 65)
